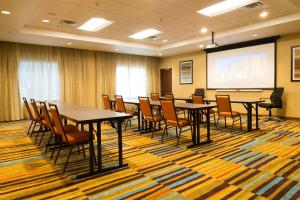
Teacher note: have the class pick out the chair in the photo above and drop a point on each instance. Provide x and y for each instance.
(199, 92)
(276, 101)
(68, 135)
(171, 119)
(199, 100)
(106, 102)
(34, 121)
(224, 110)
(120, 107)
(148, 114)
(169, 96)
(154, 96)
(40, 120)
(49, 122)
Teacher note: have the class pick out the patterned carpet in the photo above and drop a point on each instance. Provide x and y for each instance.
(259, 165)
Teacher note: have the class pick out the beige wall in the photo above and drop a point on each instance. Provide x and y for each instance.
(292, 89)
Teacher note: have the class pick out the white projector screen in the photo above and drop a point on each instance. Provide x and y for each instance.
(243, 68)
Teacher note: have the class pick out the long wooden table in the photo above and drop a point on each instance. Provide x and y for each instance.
(86, 115)
(195, 109)
(249, 104)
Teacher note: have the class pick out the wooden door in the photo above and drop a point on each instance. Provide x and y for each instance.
(165, 81)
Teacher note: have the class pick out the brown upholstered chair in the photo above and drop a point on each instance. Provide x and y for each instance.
(171, 119)
(169, 96)
(120, 107)
(49, 122)
(199, 100)
(154, 96)
(68, 135)
(147, 113)
(34, 121)
(106, 102)
(40, 120)
(224, 110)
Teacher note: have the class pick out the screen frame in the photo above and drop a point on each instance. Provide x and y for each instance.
(243, 45)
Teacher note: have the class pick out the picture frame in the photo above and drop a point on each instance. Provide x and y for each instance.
(295, 64)
(186, 72)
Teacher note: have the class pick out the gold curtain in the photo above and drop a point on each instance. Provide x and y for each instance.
(152, 67)
(10, 106)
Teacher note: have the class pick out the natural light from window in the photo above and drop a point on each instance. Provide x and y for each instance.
(39, 80)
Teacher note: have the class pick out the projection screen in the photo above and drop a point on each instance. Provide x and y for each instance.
(242, 68)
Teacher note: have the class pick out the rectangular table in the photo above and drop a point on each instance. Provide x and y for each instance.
(195, 109)
(249, 104)
(87, 115)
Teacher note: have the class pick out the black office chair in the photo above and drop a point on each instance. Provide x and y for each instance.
(199, 92)
(276, 101)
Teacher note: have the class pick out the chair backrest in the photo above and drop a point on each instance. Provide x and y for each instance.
(199, 92)
(197, 99)
(35, 110)
(168, 109)
(59, 128)
(120, 104)
(169, 96)
(223, 103)
(27, 108)
(145, 107)
(154, 96)
(276, 97)
(47, 116)
(106, 102)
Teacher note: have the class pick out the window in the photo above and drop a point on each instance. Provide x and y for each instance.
(39, 80)
(131, 81)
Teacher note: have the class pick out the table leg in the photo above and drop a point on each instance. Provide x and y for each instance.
(139, 117)
(198, 126)
(120, 143)
(208, 124)
(249, 117)
(256, 116)
(91, 145)
(99, 156)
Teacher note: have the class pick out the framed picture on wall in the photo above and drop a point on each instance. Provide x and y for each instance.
(295, 71)
(186, 72)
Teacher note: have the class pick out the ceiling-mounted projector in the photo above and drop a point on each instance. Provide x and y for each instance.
(213, 43)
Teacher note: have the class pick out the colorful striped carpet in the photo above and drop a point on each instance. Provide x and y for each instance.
(264, 164)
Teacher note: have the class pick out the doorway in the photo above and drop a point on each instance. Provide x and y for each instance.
(165, 81)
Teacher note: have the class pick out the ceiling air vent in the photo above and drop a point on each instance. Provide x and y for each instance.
(153, 38)
(253, 7)
(68, 23)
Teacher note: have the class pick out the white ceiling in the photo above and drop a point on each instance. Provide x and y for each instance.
(177, 19)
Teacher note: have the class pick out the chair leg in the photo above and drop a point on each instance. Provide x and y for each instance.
(153, 130)
(43, 133)
(165, 130)
(83, 151)
(48, 143)
(241, 123)
(176, 132)
(78, 149)
(68, 159)
(37, 134)
(126, 124)
(225, 122)
(58, 151)
(215, 120)
(218, 122)
(55, 145)
(232, 124)
(30, 127)
(178, 137)
(32, 130)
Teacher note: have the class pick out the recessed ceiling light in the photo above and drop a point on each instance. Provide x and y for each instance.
(165, 40)
(263, 14)
(201, 46)
(160, 54)
(224, 7)
(145, 33)
(116, 49)
(203, 30)
(95, 24)
(254, 35)
(45, 20)
(5, 12)
(69, 43)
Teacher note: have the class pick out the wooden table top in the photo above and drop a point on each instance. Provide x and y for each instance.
(237, 100)
(84, 114)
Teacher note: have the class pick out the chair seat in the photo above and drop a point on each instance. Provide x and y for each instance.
(156, 118)
(228, 114)
(181, 122)
(266, 105)
(131, 112)
(78, 137)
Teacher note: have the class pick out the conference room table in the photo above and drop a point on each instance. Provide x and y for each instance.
(249, 104)
(195, 110)
(82, 115)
